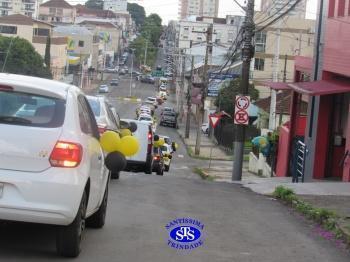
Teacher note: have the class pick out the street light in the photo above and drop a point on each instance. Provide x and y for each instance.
(132, 67)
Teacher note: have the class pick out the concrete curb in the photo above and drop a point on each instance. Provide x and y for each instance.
(130, 99)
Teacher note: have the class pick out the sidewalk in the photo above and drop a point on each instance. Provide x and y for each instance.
(208, 147)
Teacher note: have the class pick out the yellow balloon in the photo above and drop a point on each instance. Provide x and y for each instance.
(129, 146)
(125, 132)
(161, 141)
(110, 141)
(176, 146)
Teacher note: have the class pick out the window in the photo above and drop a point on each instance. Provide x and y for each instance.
(81, 43)
(84, 118)
(4, 13)
(4, 29)
(52, 11)
(59, 11)
(41, 32)
(260, 42)
(199, 38)
(259, 64)
(186, 28)
(5, 5)
(24, 109)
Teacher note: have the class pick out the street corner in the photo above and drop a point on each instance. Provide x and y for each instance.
(130, 99)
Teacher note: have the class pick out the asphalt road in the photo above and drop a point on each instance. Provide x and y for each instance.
(239, 226)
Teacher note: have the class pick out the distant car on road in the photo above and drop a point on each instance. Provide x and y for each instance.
(147, 79)
(114, 82)
(103, 89)
(152, 100)
(168, 118)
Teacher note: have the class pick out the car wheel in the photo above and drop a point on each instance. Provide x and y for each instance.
(159, 171)
(98, 219)
(148, 169)
(167, 168)
(68, 238)
(115, 175)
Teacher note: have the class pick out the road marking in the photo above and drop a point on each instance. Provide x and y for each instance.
(180, 156)
(181, 167)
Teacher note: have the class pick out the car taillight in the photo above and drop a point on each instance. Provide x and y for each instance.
(102, 129)
(149, 138)
(6, 88)
(156, 158)
(66, 154)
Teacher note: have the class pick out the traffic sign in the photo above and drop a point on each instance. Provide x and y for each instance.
(214, 120)
(242, 105)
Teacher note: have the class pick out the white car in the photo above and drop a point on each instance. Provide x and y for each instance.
(205, 128)
(51, 163)
(152, 100)
(148, 119)
(103, 89)
(167, 151)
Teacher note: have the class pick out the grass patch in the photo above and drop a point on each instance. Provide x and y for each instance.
(203, 174)
(326, 218)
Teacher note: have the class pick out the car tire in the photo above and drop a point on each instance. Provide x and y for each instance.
(166, 168)
(115, 175)
(148, 169)
(68, 238)
(160, 171)
(98, 219)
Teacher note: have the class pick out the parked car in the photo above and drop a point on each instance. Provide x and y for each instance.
(205, 128)
(143, 160)
(103, 89)
(114, 82)
(168, 118)
(49, 173)
(158, 161)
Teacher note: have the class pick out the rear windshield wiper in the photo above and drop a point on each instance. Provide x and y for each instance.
(14, 120)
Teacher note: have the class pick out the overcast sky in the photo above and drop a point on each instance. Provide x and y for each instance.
(168, 9)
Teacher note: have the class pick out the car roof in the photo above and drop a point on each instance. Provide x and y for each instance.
(37, 85)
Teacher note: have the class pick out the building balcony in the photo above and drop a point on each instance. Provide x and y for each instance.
(3, 7)
(29, 1)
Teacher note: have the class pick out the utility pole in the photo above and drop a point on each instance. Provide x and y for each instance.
(276, 61)
(204, 88)
(145, 58)
(132, 68)
(247, 54)
(182, 86)
(189, 102)
(284, 81)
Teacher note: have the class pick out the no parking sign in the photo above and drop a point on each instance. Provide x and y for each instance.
(242, 105)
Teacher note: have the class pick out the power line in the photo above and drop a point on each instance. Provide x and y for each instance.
(271, 16)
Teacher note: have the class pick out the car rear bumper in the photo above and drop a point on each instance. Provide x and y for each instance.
(49, 197)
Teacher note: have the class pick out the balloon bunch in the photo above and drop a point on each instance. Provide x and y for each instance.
(158, 141)
(118, 146)
(263, 144)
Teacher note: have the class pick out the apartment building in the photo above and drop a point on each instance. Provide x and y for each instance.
(57, 11)
(36, 32)
(189, 8)
(24, 7)
(296, 39)
(194, 32)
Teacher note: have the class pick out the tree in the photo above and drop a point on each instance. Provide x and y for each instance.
(152, 28)
(94, 4)
(137, 13)
(227, 95)
(140, 44)
(47, 58)
(22, 58)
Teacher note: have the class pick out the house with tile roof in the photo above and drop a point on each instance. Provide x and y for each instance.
(57, 11)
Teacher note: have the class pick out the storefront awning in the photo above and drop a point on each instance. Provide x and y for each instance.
(277, 85)
(322, 87)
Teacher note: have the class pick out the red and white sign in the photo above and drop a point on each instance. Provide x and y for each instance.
(242, 105)
(214, 120)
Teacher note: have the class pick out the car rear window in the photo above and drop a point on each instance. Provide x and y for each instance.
(145, 119)
(95, 106)
(17, 108)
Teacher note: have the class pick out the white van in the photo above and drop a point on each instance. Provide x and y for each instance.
(143, 160)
